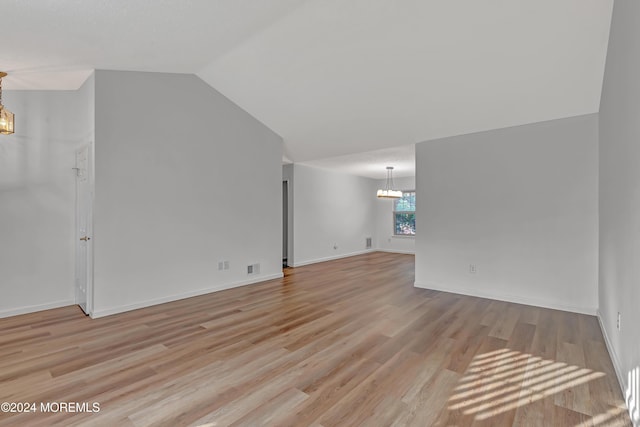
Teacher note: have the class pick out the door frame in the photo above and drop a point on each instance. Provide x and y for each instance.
(290, 219)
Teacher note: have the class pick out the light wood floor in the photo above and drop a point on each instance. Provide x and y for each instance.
(342, 343)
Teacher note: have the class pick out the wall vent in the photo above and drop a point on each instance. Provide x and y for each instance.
(368, 242)
(253, 269)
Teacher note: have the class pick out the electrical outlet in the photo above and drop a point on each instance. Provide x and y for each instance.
(220, 265)
(226, 265)
(473, 269)
(618, 323)
(335, 246)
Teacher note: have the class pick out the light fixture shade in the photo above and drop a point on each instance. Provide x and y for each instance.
(389, 192)
(6, 121)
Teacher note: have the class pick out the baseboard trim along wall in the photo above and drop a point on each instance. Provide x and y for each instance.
(509, 298)
(149, 303)
(35, 308)
(396, 251)
(331, 258)
(613, 356)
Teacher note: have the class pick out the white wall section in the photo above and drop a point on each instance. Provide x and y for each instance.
(619, 290)
(521, 204)
(333, 214)
(184, 179)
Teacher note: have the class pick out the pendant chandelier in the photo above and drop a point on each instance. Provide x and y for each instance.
(6, 116)
(389, 192)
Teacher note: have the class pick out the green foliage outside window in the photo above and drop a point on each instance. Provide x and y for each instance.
(404, 214)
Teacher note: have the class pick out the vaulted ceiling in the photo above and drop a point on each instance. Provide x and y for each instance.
(333, 77)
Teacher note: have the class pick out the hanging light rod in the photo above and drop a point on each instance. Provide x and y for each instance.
(389, 192)
(6, 116)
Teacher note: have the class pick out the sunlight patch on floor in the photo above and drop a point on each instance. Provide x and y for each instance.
(503, 380)
(611, 418)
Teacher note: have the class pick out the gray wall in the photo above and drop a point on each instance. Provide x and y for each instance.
(37, 197)
(620, 197)
(184, 179)
(330, 209)
(521, 204)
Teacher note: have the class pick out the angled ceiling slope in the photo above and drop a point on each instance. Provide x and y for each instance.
(52, 42)
(335, 77)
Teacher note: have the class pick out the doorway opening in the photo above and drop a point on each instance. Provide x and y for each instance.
(285, 224)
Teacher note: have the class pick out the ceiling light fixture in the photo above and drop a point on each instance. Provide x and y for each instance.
(6, 116)
(389, 192)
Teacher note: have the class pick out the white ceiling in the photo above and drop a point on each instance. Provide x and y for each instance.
(176, 36)
(333, 77)
(372, 164)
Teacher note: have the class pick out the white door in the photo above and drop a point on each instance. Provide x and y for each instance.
(84, 211)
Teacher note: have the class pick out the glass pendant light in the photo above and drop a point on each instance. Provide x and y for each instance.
(389, 192)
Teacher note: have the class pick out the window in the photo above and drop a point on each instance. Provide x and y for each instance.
(404, 214)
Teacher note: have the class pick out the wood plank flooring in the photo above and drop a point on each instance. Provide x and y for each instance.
(343, 343)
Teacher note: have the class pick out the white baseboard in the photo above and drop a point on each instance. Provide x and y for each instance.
(176, 297)
(396, 251)
(34, 308)
(614, 359)
(509, 298)
(331, 258)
